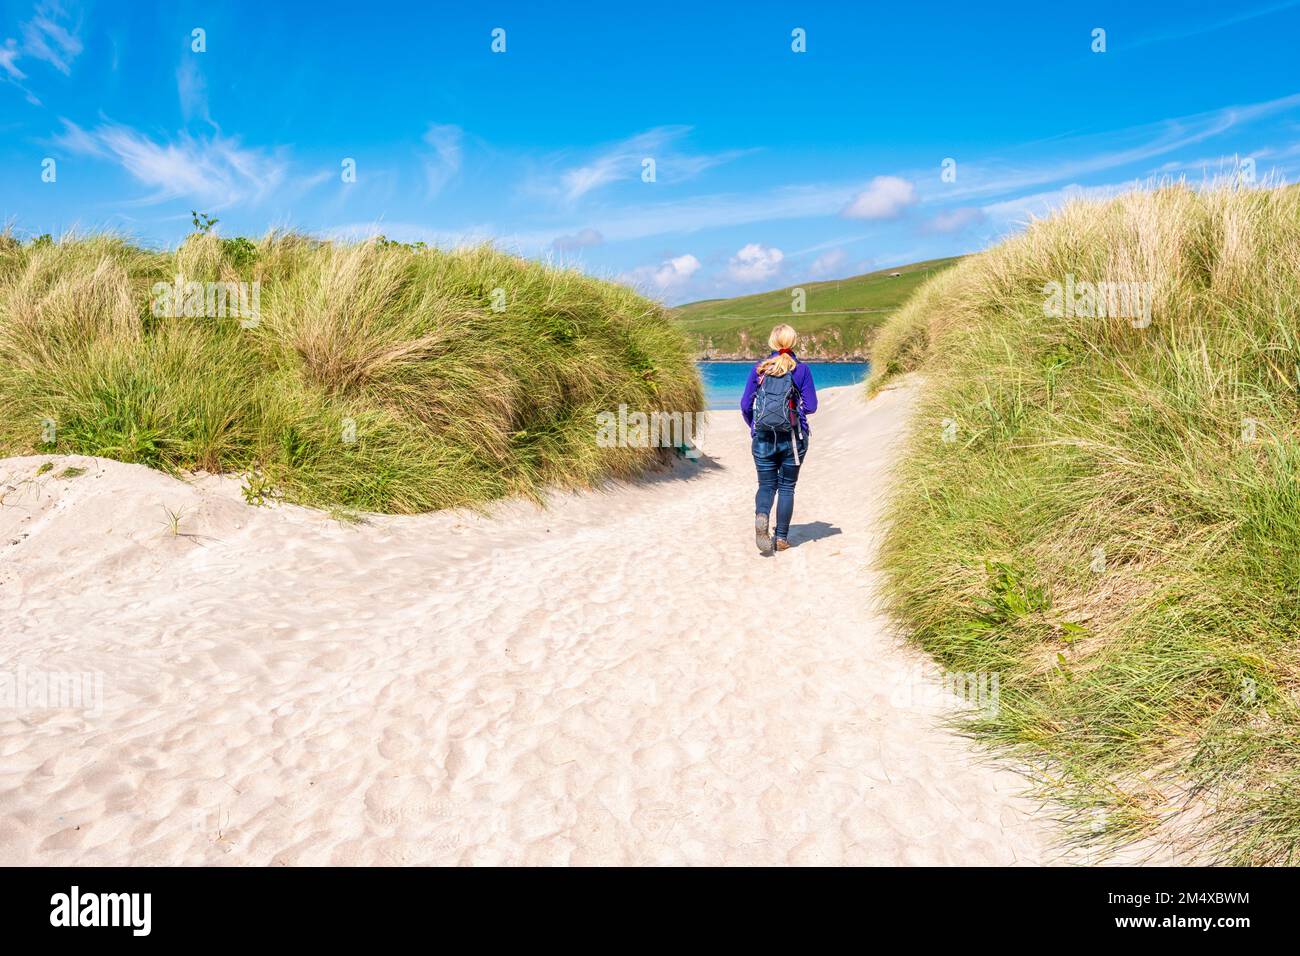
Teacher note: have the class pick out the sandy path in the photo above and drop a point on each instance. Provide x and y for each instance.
(619, 679)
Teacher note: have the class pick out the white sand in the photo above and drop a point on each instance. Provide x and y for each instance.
(621, 678)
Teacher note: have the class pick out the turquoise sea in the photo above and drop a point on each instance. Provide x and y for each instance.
(724, 382)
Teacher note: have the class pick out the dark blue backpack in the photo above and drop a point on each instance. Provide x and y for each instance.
(776, 406)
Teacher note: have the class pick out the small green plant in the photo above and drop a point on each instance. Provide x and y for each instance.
(174, 520)
(203, 223)
(45, 467)
(383, 242)
(1011, 596)
(257, 489)
(72, 472)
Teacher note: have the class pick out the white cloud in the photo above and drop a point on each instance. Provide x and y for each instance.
(676, 271)
(215, 171)
(578, 240)
(755, 262)
(444, 162)
(667, 277)
(884, 198)
(955, 220)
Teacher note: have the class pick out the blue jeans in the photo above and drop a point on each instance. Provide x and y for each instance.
(777, 474)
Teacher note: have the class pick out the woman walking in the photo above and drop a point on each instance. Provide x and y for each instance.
(779, 397)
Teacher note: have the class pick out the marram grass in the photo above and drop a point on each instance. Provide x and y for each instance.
(1114, 523)
(377, 377)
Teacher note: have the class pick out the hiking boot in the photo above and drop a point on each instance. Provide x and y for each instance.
(761, 537)
(782, 544)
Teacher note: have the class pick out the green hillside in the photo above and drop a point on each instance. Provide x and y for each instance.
(840, 318)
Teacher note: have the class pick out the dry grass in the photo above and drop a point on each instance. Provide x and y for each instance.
(1170, 676)
(451, 401)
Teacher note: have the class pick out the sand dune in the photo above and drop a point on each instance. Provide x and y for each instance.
(620, 678)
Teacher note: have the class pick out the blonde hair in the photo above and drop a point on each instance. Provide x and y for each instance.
(782, 337)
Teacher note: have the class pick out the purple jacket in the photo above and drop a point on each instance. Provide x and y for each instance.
(803, 381)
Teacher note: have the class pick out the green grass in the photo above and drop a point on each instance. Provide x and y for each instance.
(841, 315)
(379, 377)
(1100, 533)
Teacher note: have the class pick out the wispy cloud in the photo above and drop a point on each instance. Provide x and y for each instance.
(624, 161)
(192, 91)
(1188, 29)
(582, 239)
(1279, 160)
(215, 171)
(828, 263)
(443, 160)
(1089, 155)
(9, 55)
(982, 182)
(684, 216)
(46, 38)
(49, 37)
(955, 220)
(1016, 212)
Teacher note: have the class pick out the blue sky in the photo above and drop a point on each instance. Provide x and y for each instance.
(771, 166)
